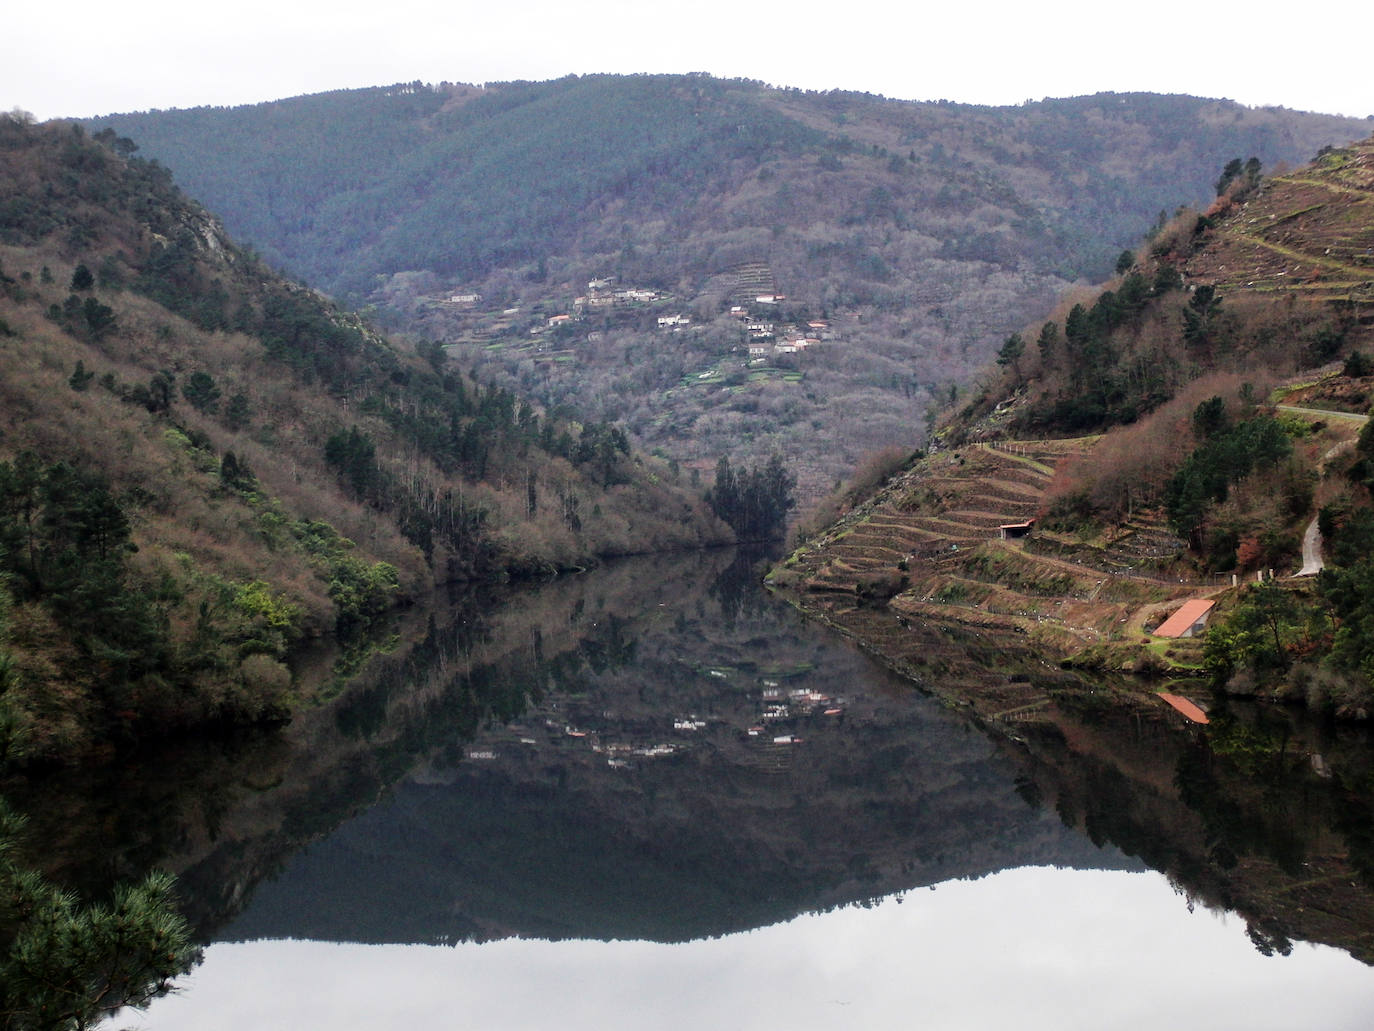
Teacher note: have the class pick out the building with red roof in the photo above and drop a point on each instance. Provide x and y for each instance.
(1188, 620)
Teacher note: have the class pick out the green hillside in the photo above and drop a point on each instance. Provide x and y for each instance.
(203, 465)
(345, 186)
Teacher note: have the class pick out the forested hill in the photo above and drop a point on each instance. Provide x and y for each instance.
(345, 186)
(906, 237)
(202, 464)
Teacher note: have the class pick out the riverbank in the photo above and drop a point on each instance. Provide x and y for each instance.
(931, 576)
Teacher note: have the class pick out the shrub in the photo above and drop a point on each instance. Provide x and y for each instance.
(1357, 365)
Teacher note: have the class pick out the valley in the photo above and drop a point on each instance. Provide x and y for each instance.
(920, 233)
(416, 624)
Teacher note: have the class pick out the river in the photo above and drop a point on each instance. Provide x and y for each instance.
(655, 794)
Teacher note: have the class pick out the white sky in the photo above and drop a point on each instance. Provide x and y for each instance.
(79, 57)
(1033, 949)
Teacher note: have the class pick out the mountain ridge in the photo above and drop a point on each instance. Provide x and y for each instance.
(921, 232)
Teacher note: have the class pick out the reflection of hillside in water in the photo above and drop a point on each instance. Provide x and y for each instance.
(1265, 814)
(700, 763)
(577, 760)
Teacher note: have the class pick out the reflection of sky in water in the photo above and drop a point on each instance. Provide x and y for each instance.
(1029, 948)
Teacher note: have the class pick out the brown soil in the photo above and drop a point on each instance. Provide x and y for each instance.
(921, 576)
(1309, 235)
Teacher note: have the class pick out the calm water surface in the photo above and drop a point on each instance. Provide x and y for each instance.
(654, 794)
(1028, 948)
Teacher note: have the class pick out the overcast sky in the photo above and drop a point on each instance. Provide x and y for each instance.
(1032, 949)
(80, 58)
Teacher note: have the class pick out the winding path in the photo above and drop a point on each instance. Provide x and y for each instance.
(1311, 551)
(1312, 563)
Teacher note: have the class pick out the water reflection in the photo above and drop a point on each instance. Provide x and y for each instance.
(660, 752)
(1028, 948)
(703, 765)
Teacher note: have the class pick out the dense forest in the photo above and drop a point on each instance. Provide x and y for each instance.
(906, 238)
(463, 181)
(203, 465)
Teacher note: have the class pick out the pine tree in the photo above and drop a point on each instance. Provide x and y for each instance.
(82, 279)
(64, 964)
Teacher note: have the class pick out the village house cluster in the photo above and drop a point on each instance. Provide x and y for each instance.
(601, 294)
(765, 336)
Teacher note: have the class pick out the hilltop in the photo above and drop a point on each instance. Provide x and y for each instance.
(897, 241)
(1176, 434)
(204, 465)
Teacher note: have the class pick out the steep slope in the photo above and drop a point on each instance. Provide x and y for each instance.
(1308, 235)
(928, 551)
(202, 464)
(1200, 483)
(916, 233)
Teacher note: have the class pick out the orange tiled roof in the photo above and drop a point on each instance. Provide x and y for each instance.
(1177, 624)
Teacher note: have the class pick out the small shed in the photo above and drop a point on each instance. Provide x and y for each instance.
(1188, 620)
(1014, 531)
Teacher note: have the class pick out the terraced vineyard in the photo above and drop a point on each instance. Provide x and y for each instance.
(1309, 235)
(933, 573)
(923, 576)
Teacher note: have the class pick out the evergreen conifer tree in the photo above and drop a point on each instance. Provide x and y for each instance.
(64, 964)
